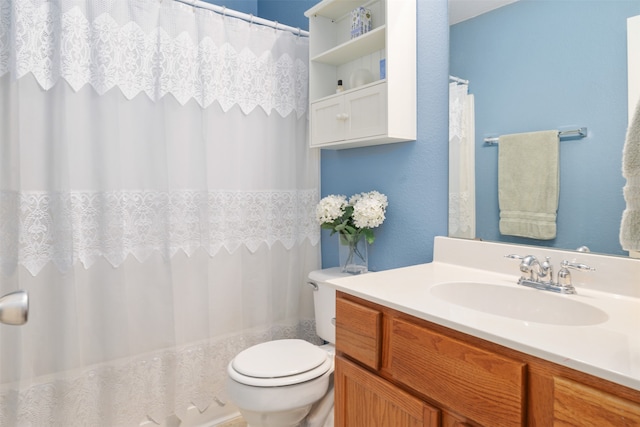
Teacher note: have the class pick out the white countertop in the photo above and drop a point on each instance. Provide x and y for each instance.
(610, 349)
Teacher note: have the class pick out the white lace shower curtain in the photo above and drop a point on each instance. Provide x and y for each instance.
(462, 180)
(157, 202)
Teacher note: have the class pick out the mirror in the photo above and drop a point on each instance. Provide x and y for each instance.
(541, 65)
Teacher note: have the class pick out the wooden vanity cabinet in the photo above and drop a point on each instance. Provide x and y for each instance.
(395, 370)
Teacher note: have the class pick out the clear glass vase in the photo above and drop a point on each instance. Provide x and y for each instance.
(352, 252)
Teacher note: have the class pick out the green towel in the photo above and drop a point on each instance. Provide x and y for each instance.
(528, 184)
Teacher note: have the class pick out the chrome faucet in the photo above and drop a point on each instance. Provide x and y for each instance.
(541, 274)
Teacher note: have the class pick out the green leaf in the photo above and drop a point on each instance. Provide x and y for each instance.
(351, 229)
(368, 234)
(345, 239)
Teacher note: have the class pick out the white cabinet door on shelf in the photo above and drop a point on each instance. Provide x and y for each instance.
(327, 121)
(367, 112)
(357, 114)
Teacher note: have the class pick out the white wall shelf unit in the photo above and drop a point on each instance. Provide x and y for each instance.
(381, 109)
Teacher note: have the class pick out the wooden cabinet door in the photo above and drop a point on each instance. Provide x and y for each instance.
(364, 400)
(366, 111)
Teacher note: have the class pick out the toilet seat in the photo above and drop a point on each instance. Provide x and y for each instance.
(279, 363)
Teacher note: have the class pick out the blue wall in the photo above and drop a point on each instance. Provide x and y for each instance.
(537, 65)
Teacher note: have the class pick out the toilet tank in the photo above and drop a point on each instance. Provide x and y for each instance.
(324, 302)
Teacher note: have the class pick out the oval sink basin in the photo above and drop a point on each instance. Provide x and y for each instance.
(526, 304)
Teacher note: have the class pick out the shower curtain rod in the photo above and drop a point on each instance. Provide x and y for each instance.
(459, 80)
(222, 10)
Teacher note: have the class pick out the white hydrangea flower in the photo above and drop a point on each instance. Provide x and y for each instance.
(331, 208)
(369, 209)
(354, 199)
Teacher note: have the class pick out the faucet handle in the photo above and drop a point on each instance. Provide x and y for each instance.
(527, 264)
(528, 259)
(564, 275)
(576, 266)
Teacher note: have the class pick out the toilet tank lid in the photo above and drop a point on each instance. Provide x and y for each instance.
(327, 274)
(279, 358)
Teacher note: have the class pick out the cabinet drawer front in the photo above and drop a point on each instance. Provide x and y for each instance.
(577, 404)
(481, 385)
(358, 332)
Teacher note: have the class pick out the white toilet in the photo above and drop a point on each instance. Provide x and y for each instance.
(275, 384)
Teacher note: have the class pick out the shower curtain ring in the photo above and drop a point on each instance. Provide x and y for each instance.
(224, 11)
(251, 19)
(275, 26)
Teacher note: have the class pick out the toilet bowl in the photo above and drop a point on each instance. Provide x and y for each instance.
(270, 393)
(275, 383)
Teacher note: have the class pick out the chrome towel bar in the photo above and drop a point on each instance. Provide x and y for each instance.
(565, 134)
